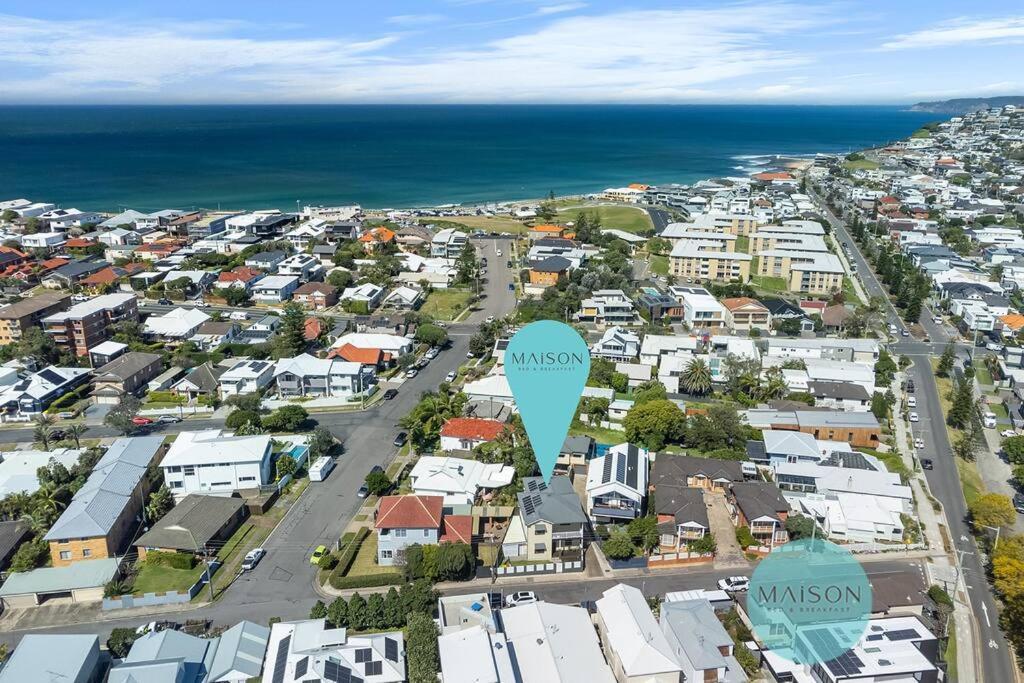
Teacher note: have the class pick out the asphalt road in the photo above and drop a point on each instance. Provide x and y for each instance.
(660, 218)
(943, 480)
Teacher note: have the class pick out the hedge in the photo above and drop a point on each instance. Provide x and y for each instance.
(68, 399)
(367, 581)
(349, 550)
(172, 560)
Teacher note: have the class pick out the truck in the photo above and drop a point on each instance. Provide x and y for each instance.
(319, 470)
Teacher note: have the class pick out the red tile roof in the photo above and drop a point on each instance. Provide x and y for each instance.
(107, 276)
(474, 428)
(317, 288)
(53, 263)
(354, 354)
(377, 235)
(78, 243)
(777, 175)
(312, 329)
(458, 529)
(239, 274)
(409, 512)
(735, 303)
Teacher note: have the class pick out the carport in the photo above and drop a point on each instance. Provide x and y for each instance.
(78, 582)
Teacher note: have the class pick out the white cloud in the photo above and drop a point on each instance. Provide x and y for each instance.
(558, 9)
(413, 20)
(628, 56)
(959, 31)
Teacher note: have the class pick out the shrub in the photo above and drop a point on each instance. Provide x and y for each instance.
(164, 397)
(349, 548)
(367, 581)
(744, 537)
(172, 560)
(238, 418)
(120, 641)
(328, 562)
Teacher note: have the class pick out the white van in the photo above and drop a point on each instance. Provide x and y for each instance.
(319, 470)
(988, 418)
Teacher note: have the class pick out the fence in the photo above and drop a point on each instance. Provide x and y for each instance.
(679, 558)
(861, 548)
(540, 568)
(154, 599)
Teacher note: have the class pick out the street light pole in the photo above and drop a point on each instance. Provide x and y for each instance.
(206, 559)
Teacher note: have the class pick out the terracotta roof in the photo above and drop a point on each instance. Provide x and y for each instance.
(409, 512)
(836, 316)
(377, 235)
(53, 263)
(239, 274)
(1014, 321)
(107, 276)
(312, 329)
(639, 186)
(472, 428)
(547, 228)
(78, 243)
(458, 529)
(812, 305)
(735, 303)
(354, 354)
(777, 175)
(888, 200)
(316, 288)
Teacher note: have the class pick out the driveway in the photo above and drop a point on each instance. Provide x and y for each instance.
(729, 554)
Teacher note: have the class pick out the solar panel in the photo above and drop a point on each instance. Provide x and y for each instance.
(363, 654)
(391, 649)
(620, 469)
(373, 668)
(607, 473)
(301, 667)
(281, 661)
(333, 671)
(902, 634)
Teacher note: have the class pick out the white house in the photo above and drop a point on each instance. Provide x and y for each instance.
(64, 219)
(309, 651)
(404, 297)
(448, 243)
(305, 375)
(43, 240)
(178, 324)
(216, 462)
(275, 288)
(636, 647)
(367, 293)
(246, 377)
(394, 344)
(458, 480)
(303, 266)
(618, 344)
(555, 643)
(617, 484)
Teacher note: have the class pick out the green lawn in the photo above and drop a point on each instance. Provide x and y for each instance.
(659, 264)
(921, 133)
(599, 434)
(365, 563)
(860, 165)
(970, 480)
(983, 375)
(849, 291)
(502, 224)
(743, 244)
(769, 284)
(999, 409)
(950, 654)
(154, 578)
(446, 304)
(628, 218)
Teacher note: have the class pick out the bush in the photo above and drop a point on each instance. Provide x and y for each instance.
(619, 545)
(349, 548)
(744, 537)
(120, 641)
(703, 545)
(239, 418)
(172, 560)
(328, 562)
(367, 581)
(286, 419)
(164, 397)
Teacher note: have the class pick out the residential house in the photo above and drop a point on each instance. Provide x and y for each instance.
(307, 234)
(406, 520)
(475, 653)
(46, 241)
(466, 433)
(637, 649)
(710, 474)
(542, 232)
(106, 278)
(261, 331)
(202, 381)
(306, 375)
(617, 344)
(65, 219)
(216, 462)
(316, 295)
(682, 515)
(760, 506)
(103, 515)
(128, 374)
(309, 651)
(90, 323)
(608, 307)
(617, 484)
(274, 289)
(240, 277)
(701, 310)
(12, 534)
(703, 648)
(549, 271)
(659, 307)
(19, 469)
(266, 261)
(859, 429)
(65, 657)
(376, 238)
(845, 396)
(302, 266)
(18, 317)
(118, 237)
(176, 325)
(33, 393)
(212, 334)
(246, 377)
(448, 243)
(549, 524)
(554, 643)
(744, 313)
(367, 295)
(457, 480)
(197, 525)
(393, 345)
(325, 254)
(575, 453)
(404, 298)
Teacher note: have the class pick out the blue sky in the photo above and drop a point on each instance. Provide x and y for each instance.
(508, 51)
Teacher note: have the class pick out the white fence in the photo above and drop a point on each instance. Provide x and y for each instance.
(540, 568)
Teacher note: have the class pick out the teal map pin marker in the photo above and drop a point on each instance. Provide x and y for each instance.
(547, 364)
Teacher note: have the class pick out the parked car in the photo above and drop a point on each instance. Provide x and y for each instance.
(904, 333)
(912, 401)
(1018, 502)
(451, 376)
(67, 414)
(918, 442)
(1007, 433)
(914, 417)
(489, 319)
(57, 434)
(910, 386)
(390, 394)
(994, 346)
(520, 598)
(400, 439)
(926, 463)
(431, 353)
(498, 252)
(252, 558)
(937, 319)
(320, 551)
(168, 419)
(157, 626)
(364, 490)
(734, 584)
(411, 372)
(164, 302)
(141, 421)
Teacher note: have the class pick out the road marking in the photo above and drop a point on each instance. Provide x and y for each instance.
(988, 623)
(992, 644)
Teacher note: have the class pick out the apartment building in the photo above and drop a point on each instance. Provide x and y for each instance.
(702, 260)
(89, 323)
(804, 271)
(682, 232)
(216, 462)
(767, 240)
(720, 221)
(16, 318)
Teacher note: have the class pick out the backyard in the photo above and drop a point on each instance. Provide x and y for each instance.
(446, 304)
(769, 284)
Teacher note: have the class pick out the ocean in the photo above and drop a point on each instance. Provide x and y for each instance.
(247, 157)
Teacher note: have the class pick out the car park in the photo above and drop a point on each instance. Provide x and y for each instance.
(390, 394)
(252, 558)
(926, 463)
(520, 598)
(320, 551)
(734, 584)
(914, 417)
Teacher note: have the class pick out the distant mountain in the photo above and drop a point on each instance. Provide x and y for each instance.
(965, 105)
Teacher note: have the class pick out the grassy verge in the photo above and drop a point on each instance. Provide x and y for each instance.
(659, 264)
(628, 218)
(156, 578)
(769, 284)
(365, 563)
(445, 304)
(743, 244)
(849, 291)
(860, 165)
(970, 478)
(950, 653)
(502, 224)
(984, 376)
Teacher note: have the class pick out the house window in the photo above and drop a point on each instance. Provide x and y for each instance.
(539, 547)
(387, 554)
(176, 484)
(247, 479)
(65, 554)
(189, 470)
(400, 533)
(174, 468)
(86, 552)
(540, 529)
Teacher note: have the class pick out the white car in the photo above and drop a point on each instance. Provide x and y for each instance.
(200, 304)
(918, 443)
(734, 584)
(520, 598)
(498, 252)
(937, 320)
(411, 372)
(913, 417)
(252, 558)
(489, 319)
(1008, 433)
(912, 401)
(450, 377)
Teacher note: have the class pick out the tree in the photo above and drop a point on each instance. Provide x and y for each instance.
(290, 340)
(1013, 447)
(337, 613)
(237, 418)
(744, 538)
(318, 610)
(339, 278)
(466, 265)
(76, 431)
(649, 391)
(455, 562)
(963, 447)
(41, 433)
(774, 386)
(121, 640)
(321, 441)
(285, 465)
(160, 503)
(798, 526)
(619, 545)
(992, 510)
(704, 545)
(962, 408)
(357, 615)
(655, 423)
(422, 661)
(378, 483)
(644, 532)
(946, 360)
(432, 335)
(394, 612)
(879, 406)
(236, 296)
(596, 409)
(719, 428)
(29, 555)
(375, 611)
(120, 416)
(288, 418)
(696, 378)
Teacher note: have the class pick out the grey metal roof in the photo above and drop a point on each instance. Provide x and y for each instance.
(164, 657)
(555, 502)
(203, 516)
(52, 657)
(696, 630)
(11, 535)
(759, 499)
(97, 505)
(240, 648)
(127, 366)
(673, 470)
(835, 418)
(684, 504)
(840, 390)
(577, 445)
(84, 574)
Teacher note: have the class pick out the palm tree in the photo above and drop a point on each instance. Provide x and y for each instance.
(76, 431)
(41, 433)
(49, 497)
(775, 385)
(696, 377)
